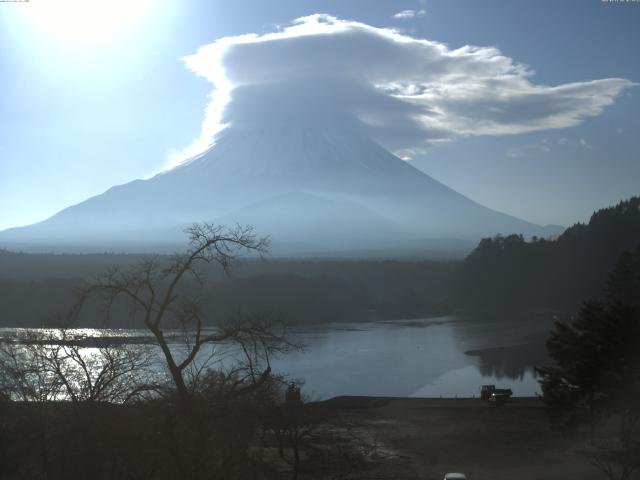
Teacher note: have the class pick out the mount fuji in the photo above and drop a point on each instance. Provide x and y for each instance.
(312, 190)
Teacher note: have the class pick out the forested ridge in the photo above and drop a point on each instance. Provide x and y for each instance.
(34, 288)
(508, 273)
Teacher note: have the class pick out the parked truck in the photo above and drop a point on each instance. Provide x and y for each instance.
(497, 396)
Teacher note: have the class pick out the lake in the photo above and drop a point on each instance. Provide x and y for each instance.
(412, 358)
(419, 358)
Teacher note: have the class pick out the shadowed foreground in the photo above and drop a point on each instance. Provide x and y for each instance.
(346, 438)
(427, 437)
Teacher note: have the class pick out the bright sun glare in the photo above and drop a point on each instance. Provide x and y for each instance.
(85, 22)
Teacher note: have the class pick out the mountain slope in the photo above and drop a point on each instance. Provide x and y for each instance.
(321, 189)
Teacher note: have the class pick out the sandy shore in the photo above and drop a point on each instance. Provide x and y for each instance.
(427, 437)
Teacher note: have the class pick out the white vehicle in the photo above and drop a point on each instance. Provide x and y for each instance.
(455, 476)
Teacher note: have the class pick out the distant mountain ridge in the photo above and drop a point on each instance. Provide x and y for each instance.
(310, 190)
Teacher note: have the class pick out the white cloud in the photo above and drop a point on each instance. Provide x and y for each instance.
(541, 147)
(575, 143)
(544, 145)
(585, 144)
(514, 152)
(406, 14)
(407, 93)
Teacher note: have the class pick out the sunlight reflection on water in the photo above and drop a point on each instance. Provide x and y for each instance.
(424, 358)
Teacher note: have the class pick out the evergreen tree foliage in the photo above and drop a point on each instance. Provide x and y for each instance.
(597, 355)
(510, 274)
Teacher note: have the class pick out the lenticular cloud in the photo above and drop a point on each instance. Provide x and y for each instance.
(404, 92)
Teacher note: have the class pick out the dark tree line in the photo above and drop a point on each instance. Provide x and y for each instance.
(511, 274)
(300, 291)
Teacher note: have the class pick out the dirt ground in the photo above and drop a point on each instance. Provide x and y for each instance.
(425, 438)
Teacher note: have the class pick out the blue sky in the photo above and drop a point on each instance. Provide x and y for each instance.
(83, 109)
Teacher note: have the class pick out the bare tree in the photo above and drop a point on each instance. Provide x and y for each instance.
(167, 296)
(25, 373)
(60, 383)
(55, 366)
(204, 405)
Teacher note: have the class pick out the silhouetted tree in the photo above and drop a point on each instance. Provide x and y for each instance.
(61, 388)
(167, 295)
(55, 366)
(203, 410)
(291, 422)
(597, 365)
(623, 285)
(597, 361)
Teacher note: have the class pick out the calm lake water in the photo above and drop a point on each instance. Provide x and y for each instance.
(419, 358)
